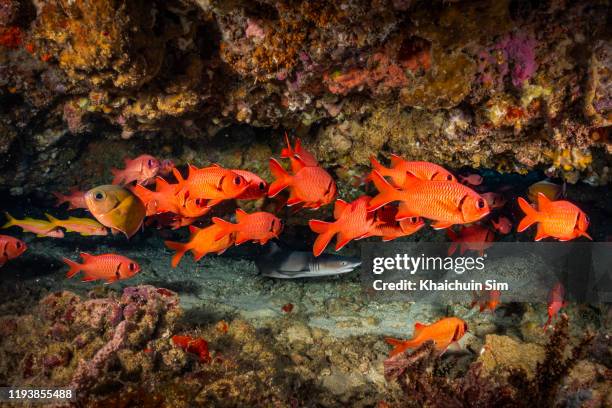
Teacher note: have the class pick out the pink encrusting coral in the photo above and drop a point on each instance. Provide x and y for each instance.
(514, 55)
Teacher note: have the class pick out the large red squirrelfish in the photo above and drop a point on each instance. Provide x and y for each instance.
(108, 267)
(202, 242)
(471, 238)
(142, 170)
(10, 248)
(259, 227)
(352, 222)
(419, 169)
(312, 187)
(444, 332)
(445, 202)
(213, 183)
(558, 219)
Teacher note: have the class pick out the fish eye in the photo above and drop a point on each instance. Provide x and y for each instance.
(99, 196)
(18, 245)
(449, 177)
(262, 186)
(414, 220)
(481, 203)
(343, 263)
(198, 201)
(238, 180)
(132, 266)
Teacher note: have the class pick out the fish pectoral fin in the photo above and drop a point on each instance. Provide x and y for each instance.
(341, 241)
(441, 225)
(241, 238)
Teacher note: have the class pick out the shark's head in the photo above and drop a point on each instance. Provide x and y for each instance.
(328, 264)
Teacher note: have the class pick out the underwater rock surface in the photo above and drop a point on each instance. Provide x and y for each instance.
(510, 85)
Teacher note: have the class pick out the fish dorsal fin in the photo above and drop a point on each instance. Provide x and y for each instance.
(86, 257)
(543, 202)
(396, 160)
(418, 327)
(240, 215)
(192, 170)
(296, 164)
(339, 207)
(216, 165)
(410, 181)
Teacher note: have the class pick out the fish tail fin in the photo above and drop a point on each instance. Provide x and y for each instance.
(144, 194)
(179, 178)
(399, 346)
(531, 215)
(386, 192)
(10, 220)
(287, 151)
(180, 249)
(117, 176)
(282, 178)
(74, 267)
(225, 226)
(326, 233)
(376, 165)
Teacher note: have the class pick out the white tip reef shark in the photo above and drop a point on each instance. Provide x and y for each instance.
(285, 263)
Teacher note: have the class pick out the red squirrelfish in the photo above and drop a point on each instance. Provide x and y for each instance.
(310, 186)
(75, 199)
(487, 300)
(41, 228)
(299, 156)
(495, 200)
(445, 202)
(258, 226)
(471, 238)
(10, 248)
(163, 199)
(202, 242)
(391, 229)
(213, 183)
(555, 302)
(443, 332)
(419, 169)
(142, 170)
(108, 267)
(502, 225)
(558, 219)
(257, 187)
(352, 222)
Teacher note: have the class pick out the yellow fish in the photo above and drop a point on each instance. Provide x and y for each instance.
(84, 226)
(41, 228)
(116, 208)
(551, 190)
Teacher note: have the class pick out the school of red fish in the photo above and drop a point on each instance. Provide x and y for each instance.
(410, 195)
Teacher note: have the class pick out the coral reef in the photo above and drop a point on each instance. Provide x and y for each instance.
(526, 87)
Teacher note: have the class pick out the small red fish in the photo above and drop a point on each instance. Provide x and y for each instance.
(257, 187)
(487, 300)
(352, 222)
(213, 183)
(10, 248)
(163, 199)
(495, 200)
(559, 219)
(75, 199)
(471, 238)
(287, 308)
(445, 202)
(197, 346)
(108, 267)
(312, 187)
(258, 226)
(391, 229)
(555, 302)
(444, 332)
(142, 170)
(471, 179)
(502, 225)
(299, 156)
(419, 169)
(201, 242)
